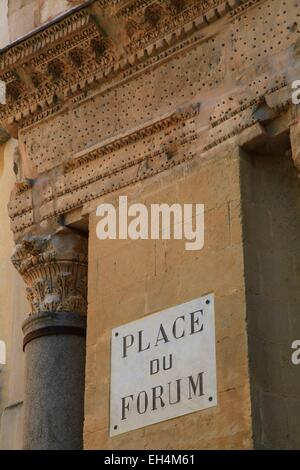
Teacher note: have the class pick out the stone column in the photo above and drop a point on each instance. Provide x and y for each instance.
(54, 268)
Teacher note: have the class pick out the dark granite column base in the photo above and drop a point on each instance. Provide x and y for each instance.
(54, 346)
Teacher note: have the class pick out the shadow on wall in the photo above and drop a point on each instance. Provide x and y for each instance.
(271, 208)
(13, 309)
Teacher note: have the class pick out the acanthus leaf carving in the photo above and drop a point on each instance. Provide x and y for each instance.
(54, 268)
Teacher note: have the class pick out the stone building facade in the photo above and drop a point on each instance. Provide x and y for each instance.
(163, 101)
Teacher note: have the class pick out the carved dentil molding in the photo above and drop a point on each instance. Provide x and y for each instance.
(82, 149)
(55, 64)
(54, 268)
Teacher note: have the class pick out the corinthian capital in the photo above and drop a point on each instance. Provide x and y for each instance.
(54, 268)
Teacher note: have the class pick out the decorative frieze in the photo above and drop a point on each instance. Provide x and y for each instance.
(76, 51)
(94, 117)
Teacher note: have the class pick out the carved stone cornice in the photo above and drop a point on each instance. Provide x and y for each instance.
(80, 51)
(54, 268)
(112, 116)
(48, 66)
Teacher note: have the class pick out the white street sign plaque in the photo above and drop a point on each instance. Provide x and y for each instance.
(163, 366)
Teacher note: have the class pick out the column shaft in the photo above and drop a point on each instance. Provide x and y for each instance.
(54, 268)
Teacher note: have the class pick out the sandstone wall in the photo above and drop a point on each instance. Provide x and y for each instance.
(163, 111)
(131, 279)
(13, 307)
